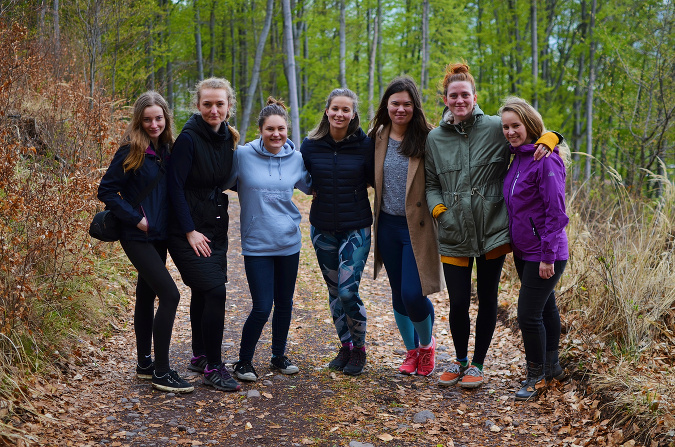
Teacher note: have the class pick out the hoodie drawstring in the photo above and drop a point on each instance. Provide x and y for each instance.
(269, 166)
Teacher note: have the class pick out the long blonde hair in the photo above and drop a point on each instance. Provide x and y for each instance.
(224, 84)
(534, 123)
(134, 135)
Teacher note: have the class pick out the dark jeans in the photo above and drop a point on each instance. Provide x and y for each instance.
(207, 319)
(458, 280)
(538, 315)
(154, 280)
(271, 280)
(393, 243)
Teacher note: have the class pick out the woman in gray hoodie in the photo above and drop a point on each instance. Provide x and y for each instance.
(266, 172)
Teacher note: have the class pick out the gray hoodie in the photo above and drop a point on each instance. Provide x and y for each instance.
(269, 219)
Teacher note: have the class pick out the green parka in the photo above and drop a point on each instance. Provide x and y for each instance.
(465, 167)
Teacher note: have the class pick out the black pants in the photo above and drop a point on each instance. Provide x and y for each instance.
(538, 315)
(458, 280)
(154, 280)
(207, 319)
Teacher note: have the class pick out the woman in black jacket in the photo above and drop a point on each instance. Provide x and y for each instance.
(138, 165)
(201, 164)
(339, 157)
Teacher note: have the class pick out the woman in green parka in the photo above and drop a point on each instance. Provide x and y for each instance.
(466, 162)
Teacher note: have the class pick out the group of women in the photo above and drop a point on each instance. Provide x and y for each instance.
(445, 198)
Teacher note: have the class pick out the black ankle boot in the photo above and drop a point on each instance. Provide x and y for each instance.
(534, 382)
(552, 368)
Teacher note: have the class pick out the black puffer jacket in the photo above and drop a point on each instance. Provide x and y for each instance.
(120, 189)
(341, 173)
(201, 163)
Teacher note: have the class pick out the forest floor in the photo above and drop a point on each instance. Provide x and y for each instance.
(101, 402)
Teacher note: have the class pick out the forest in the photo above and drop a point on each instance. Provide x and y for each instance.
(600, 73)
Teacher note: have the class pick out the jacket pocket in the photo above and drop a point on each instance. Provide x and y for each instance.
(495, 215)
(451, 227)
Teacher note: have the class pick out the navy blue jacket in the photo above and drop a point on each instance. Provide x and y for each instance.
(119, 189)
(341, 173)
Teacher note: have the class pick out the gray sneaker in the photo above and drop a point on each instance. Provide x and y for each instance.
(244, 371)
(284, 365)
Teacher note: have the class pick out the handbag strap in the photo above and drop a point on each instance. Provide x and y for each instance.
(150, 186)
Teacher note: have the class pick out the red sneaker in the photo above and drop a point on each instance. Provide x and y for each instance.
(409, 365)
(427, 359)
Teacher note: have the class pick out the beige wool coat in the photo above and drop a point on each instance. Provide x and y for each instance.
(422, 227)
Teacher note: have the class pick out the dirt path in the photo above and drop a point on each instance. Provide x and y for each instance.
(102, 403)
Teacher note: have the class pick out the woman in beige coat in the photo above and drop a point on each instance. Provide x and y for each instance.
(405, 233)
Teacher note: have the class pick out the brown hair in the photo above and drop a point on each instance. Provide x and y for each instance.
(532, 120)
(224, 84)
(457, 72)
(273, 107)
(134, 135)
(416, 134)
(323, 128)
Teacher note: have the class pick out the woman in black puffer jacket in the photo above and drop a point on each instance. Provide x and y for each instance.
(339, 157)
(137, 164)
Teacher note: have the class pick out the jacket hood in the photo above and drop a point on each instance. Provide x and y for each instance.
(257, 145)
(197, 124)
(446, 120)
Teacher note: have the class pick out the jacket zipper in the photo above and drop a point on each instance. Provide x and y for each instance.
(534, 229)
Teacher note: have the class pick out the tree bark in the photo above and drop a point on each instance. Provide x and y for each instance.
(290, 73)
(343, 44)
(212, 31)
(424, 77)
(371, 72)
(255, 75)
(589, 96)
(535, 54)
(57, 29)
(198, 42)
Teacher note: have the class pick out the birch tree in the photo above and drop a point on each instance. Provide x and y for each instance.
(343, 44)
(589, 95)
(198, 41)
(290, 72)
(371, 72)
(255, 75)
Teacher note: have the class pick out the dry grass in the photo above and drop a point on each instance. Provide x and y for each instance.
(618, 302)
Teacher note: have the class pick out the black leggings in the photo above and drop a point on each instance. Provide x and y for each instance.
(154, 280)
(538, 315)
(458, 280)
(207, 319)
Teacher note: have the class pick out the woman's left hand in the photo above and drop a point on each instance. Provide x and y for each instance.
(546, 270)
(143, 225)
(542, 151)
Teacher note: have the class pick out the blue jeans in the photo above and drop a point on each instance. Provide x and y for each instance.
(538, 315)
(342, 257)
(271, 280)
(395, 248)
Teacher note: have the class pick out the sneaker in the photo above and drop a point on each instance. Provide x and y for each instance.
(145, 372)
(244, 371)
(342, 358)
(198, 364)
(473, 377)
(409, 365)
(427, 359)
(220, 379)
(453, 374)
(284, 365)
(171, 382)
(357, 360)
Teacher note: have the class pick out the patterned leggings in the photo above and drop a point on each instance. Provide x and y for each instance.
(342, 257)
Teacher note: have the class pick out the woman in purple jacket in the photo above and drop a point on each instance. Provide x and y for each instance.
(534, 193)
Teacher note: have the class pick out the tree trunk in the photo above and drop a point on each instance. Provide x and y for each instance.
(255, 75)
(343, 44)
(589, 96)
(198, 42)
(212, 31)
(424, 78)
(290, 73)
(535, 54)
(150, 78)
(57, 29)
(371, 72)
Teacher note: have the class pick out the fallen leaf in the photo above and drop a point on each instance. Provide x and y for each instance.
(248, 426)
(386, 437)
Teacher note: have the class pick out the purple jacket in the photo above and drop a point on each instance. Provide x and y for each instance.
(534, 192)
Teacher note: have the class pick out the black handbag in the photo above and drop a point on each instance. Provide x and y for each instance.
(108, 228)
